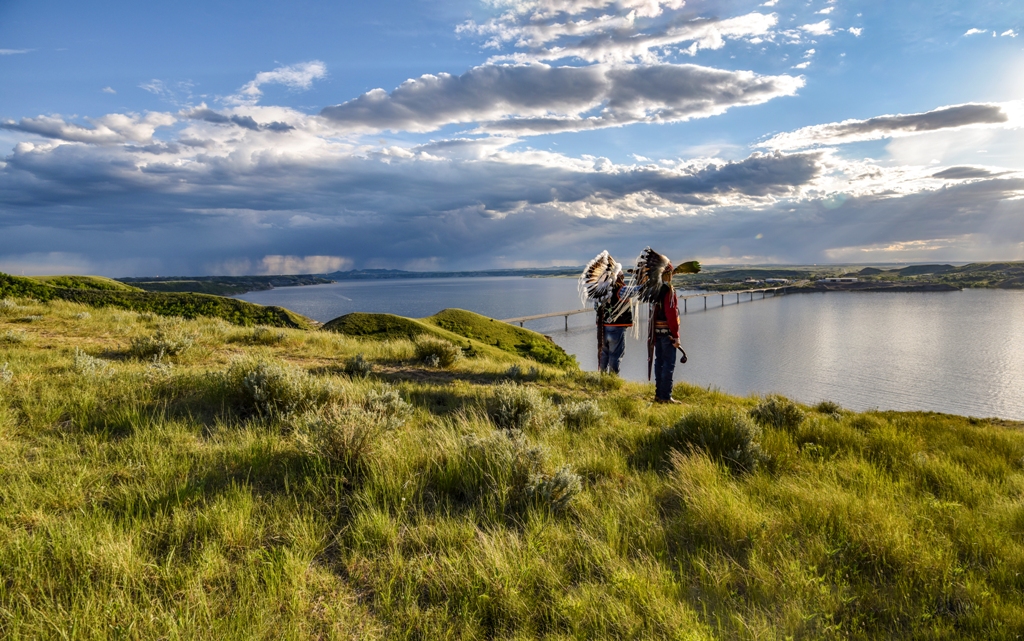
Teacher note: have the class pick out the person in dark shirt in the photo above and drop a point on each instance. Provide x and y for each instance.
(614, 322)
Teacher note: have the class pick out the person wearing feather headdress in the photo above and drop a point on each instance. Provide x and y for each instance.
(603, 282)
(615, 318)
(653, 274)
(664, 337)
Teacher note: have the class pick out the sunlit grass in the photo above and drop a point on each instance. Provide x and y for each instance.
(252, 486)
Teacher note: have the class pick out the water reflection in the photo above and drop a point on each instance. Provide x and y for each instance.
(957, 352)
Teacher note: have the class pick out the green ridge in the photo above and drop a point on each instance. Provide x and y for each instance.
(92, 292)
(453, 325)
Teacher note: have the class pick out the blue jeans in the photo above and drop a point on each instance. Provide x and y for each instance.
(614, 348)
(664, 365)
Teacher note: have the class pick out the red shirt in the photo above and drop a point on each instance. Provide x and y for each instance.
(666, 311)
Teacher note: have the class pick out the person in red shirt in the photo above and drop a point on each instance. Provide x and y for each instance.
(664, 334)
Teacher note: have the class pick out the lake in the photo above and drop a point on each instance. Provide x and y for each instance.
(956, 352)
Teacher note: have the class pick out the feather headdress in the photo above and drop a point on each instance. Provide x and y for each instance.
(650, 266)
(597, 282)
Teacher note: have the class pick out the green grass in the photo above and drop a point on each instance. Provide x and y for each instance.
(455, 325)
(96, 291)
(249, 489)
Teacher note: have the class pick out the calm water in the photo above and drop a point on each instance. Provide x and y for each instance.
(957, 352)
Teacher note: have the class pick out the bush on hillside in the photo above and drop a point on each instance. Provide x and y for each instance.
(581, 414)
(358, 366)
(87, 365)
(166, 342)
(12, 337)
(261, 386)
(345, 437)
(555, 491)
(264, 335)
(517, 407)
(778, 412)
(724, 434)
(6, 375)
(387, 407)
(437, 352)
(830, 409)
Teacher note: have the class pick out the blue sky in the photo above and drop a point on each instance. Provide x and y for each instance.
(207, 137)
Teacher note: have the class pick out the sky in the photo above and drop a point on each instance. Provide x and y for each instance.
(193, 138)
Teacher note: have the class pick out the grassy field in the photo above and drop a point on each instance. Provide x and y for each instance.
(173, 478)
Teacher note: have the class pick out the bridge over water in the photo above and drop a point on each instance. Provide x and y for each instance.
(774, 291)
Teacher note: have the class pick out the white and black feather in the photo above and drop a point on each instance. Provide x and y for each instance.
(650, 266)
(597, 282)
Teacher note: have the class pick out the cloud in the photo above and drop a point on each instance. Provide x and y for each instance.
(848, 131)
(13, 52)
(202, 112)
(109, 129)
(965, 173)
(296, 77)
(823, 28)
(971, 32)
(625, 42)
(303, 264)
(108, 90)
(856, 31)
(1010, 33)
(532, 99)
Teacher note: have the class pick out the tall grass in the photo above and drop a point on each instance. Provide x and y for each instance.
(259, 491)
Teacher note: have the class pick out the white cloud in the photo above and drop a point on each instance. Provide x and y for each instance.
(826, 10)
(533, 99)
(770, 3)
(823, 28)
(13, 52)
(889, 126)
(971, 32)
(108, 90)
(856, 31)
(802, 65)
(1009, 32)
(109, 129)
(297, 77)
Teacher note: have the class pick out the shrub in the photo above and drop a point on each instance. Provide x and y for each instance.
(6, 375)
(387, 407)
(517, 373)
(833, 410)
(516, 407)
(778, 412)
(582, 414)
(358, 366)
(724, 434)
(437, 352)
(87, 365)
(163, 343)
(8, 304)
(345, 437)
(83, 315)
(30, 319)
(11, 337)
(272, 389)
(555, 491)
(263, 335)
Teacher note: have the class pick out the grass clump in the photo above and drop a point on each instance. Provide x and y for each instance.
(6, 375)
(724, 434)
(268, 388)
(777, 412)
(581, 414)
(358, 366)
(13, 337)
(88, 365)
(263, 335)
(554, 491)
(517, 407)
(437, 352)
(344, 437)
(166, 342)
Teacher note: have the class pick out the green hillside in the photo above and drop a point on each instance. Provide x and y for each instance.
(166, 478)
(96, 291)
(453, 324)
